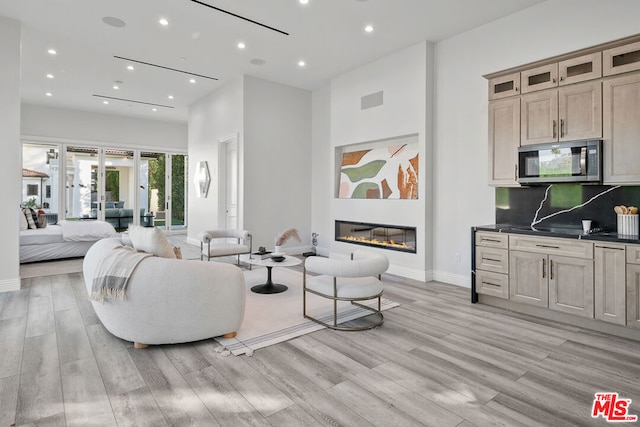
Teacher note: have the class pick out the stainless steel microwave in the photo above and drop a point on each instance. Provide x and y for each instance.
(569, 161)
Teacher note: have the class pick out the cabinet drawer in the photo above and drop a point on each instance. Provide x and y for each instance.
(621, 59)
(494, 284)
(552, 246)
(492, 240)
(492, 259)
(633, 254)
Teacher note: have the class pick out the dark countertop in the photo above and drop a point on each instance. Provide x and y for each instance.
(564, 232)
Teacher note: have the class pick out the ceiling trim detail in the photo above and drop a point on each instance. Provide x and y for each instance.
(244, 18)
(164, 67)
(131, 100)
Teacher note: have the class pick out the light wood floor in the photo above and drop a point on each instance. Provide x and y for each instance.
(437, 360)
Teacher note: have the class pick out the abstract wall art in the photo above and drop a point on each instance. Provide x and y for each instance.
(380, 173)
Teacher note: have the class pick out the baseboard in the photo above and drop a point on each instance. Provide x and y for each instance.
(410, 273)
(10, 285)
(452, 279)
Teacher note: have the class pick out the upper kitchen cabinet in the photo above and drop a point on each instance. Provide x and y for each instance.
(621, 129)
(621, 59)
(504, 139)
(568, 113)
(566, 72)
(504, 86)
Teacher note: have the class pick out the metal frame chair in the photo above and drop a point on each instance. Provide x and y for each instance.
(225, 248)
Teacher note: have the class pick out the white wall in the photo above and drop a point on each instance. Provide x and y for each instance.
(277, 159)
(403, 78)
(10, 159)
(322, 190)
(57, 124)
(215, 116)
(462, 197)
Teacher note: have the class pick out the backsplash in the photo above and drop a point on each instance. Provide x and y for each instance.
(518, 206)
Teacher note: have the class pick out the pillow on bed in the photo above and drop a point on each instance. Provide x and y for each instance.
(151, 240)
(31, 221)
(23, 221)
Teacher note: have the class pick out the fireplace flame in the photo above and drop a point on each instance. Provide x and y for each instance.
(376, 242)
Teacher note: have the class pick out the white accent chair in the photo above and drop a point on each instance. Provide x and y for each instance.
(215, 243)
(357, 279)
(170, 301)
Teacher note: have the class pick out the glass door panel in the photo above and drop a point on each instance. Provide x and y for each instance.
(81, 181)
(152, 188)
(40, 179)
(119, 189)
(179, 180)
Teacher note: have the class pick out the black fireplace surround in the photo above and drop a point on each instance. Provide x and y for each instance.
(392, 237)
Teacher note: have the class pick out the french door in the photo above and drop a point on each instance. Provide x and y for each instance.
(119, 186)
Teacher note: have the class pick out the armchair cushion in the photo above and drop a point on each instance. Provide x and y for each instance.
(215, 243)
(347, 288)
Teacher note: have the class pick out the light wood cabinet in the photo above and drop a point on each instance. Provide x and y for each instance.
(610, 283)
(504, 140)
(571, 285)
(504, 86)
(567, 113)
(528, 283)
(492, 264)
(569, 71)
(621, 59)
(633, 295)
(621, 130)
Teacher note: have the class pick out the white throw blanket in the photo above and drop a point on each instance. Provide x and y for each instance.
(86, 231)
(113, 272)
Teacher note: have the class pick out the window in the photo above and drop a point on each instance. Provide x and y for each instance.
(47, 192)
(32, 189)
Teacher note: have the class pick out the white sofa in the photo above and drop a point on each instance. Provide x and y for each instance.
(170, 300)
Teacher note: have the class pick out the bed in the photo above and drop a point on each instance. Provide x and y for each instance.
(67, 239)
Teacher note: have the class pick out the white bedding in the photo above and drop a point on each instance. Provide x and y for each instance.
(86, 231)
(67, 240)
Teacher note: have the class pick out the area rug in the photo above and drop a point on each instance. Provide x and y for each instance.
(275, 318)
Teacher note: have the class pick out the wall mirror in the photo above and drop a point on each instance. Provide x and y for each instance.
(202, 179)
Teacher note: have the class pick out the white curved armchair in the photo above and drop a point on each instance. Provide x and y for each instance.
(218, 244)
(357, 279)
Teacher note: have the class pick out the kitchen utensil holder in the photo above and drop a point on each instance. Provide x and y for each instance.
(628, 224)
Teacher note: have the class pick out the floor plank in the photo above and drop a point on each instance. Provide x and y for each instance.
(436, 360)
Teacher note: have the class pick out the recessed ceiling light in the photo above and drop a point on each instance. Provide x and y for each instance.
(192, 80)
(368, 28)
(49, 94)
(116, 87)
(130, 67)
(304, 1)
(163, 21)
(241, 45)
(154, 109)
(105, 102)
(301, 63)
(170, 97)
(52, 51)
(49, 76)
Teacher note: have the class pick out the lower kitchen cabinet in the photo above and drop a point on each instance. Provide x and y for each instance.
(528, 283)
(633, 295)
(610, 283)
(571, 285)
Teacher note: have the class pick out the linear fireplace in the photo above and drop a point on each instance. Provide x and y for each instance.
(393, 237)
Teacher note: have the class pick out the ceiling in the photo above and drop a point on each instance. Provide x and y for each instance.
(201, 38)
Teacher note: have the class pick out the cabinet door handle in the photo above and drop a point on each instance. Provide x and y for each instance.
(544, 265)
(515, 172)
(609, 247)
(550, 269)
(490, 259)
(554, 128)
(561, 128)
(548, 246)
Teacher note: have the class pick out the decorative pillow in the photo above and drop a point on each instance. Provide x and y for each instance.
(178, 252)
(31, 222)
(23, 221)
(151, 240)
